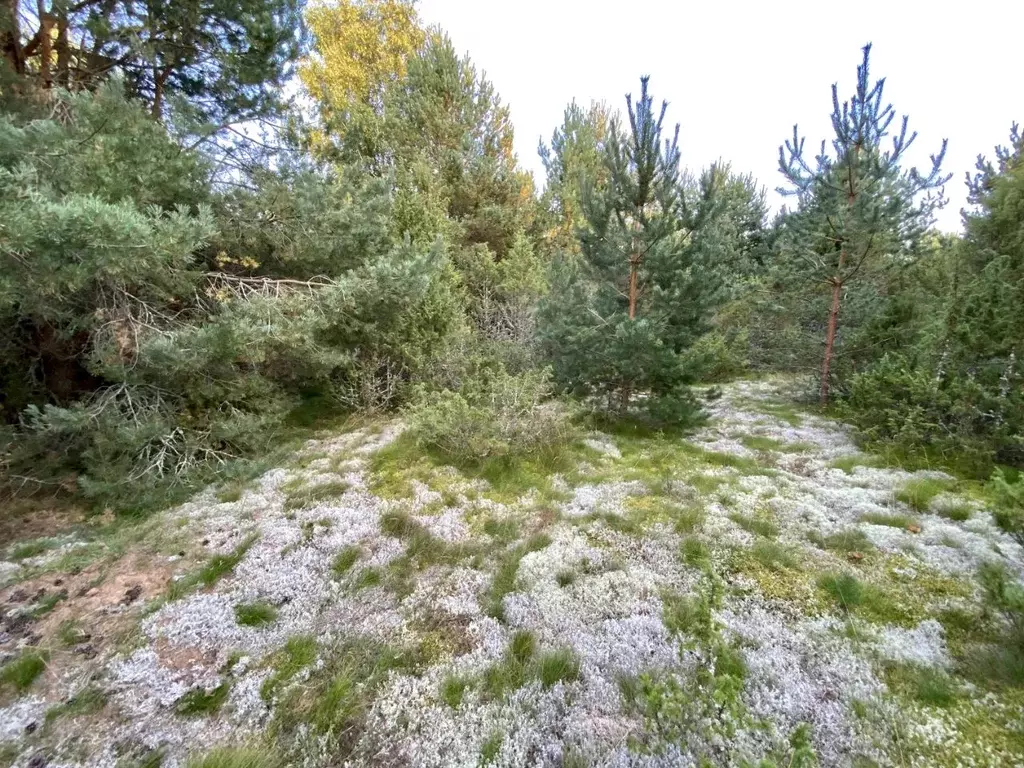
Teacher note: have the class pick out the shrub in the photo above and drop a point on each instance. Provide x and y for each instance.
(508, 416)
(1009, 502)
(924, 416)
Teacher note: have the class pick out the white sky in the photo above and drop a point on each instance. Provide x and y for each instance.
(738, 75)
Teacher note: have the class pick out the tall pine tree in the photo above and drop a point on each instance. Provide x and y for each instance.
(620, 318)
(859, 212)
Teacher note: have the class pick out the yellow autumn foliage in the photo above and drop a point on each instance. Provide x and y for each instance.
(361, 46)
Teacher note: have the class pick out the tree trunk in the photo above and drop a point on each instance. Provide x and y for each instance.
(634, 268)
(10, 36)
(830, 340)
(63, 51)
(45, 45)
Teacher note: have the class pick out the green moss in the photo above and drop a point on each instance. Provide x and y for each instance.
(255, 614)
(198, 702)
(345, 559)
(760, 526)
(310, 495)
(505, 575)
(23, 670)
(230, 492)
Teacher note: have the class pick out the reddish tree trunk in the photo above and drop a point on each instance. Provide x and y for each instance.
(830, 340)
(634, 267)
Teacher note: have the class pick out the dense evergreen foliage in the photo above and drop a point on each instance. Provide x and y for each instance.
(179, 287)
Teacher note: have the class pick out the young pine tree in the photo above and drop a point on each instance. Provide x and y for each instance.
(619, 317)
(859, 212)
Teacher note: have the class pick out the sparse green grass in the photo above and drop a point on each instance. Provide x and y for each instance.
(892, 520)
(298, 653)
(333, 704)
(774, 556)
(781, 411)
(502, 530)
(521, 663)
(237, 757)
(255, 614)
(23, 670)
(759, 526)
(957, 512)
(27, 549)
(689, 519)
(70, 632)
(717, 459)
(87, 701)
(927, 685)
(200, 703)
(681, 614)
(453, 689)
(212, 571)
(345, 559)
(765, 443)
(707, 484)
(695, 553)
(230, 492)
(421, 546)
(47, 603)
(491, 747)
(854, 460)
(504, 580)
(919, 492)
(370, 576)
(565, 577)
(309, 495)
(849, 540)
(845, 588)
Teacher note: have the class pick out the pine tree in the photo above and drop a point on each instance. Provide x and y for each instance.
(858, 211)
(621, 316)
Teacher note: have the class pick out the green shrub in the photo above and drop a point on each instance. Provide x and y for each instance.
(509, 415)
(1008, 498)
(923, 417)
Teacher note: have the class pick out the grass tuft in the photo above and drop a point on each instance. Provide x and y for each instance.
(892, 520)
(22, 671)
(918, 493)
(86, 702)
(849, 540)
(565, 577)
(345, 559)
(212, 571)
(928, 685)
(255, 614)
(310, 495)
(197, 702)
(298, 653)
(237, 757)
(759, 526)
(846, 589)
(558, 666)
(695, 553)
(774, 556)
(453, 689)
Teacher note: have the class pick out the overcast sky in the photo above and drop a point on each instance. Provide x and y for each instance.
(738, 75)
